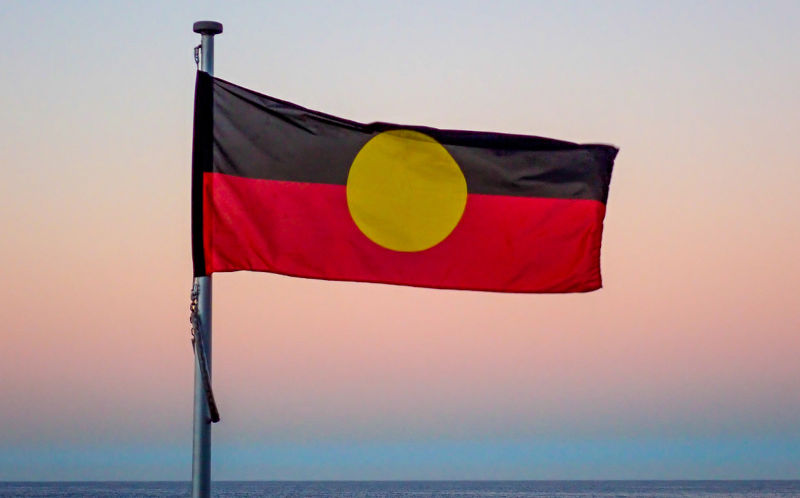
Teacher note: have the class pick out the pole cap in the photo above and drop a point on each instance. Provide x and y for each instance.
(207, 27)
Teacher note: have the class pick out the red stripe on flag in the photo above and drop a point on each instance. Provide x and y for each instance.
(502, 243)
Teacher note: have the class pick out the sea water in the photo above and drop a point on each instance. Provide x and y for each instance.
(416, 489)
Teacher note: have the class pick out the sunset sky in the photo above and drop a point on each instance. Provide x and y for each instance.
(685, 365)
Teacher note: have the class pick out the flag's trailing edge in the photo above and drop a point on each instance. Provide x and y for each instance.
(283, 189)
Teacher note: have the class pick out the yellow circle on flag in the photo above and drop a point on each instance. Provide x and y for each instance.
(405, 192)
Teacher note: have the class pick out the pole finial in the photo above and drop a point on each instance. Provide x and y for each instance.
(207, 27)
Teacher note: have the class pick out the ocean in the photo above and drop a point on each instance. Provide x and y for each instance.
(416, 489)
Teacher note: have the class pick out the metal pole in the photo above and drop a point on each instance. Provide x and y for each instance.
(201, 448)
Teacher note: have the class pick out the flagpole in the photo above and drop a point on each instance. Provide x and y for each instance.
(201, 447)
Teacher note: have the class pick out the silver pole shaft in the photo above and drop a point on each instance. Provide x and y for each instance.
(201, 447)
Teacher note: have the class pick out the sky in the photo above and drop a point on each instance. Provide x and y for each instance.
(683, 366)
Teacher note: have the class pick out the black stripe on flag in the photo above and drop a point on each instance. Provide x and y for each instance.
(257, 136)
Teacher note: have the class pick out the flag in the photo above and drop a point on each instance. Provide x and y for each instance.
(280, 188)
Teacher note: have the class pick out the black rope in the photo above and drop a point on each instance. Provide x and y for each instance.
(200, 354)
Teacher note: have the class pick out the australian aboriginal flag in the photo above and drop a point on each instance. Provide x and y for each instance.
(284, 189)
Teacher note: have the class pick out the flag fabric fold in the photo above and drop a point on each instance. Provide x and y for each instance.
(284, 189)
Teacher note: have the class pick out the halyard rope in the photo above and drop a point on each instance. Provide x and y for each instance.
(200, 353)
